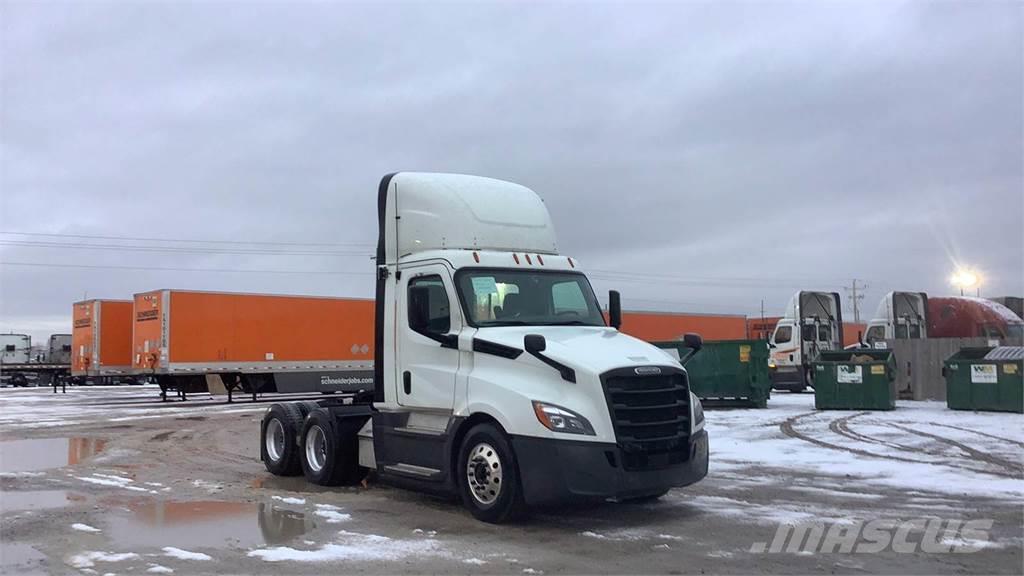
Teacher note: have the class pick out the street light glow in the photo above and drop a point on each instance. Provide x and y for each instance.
(965, 278)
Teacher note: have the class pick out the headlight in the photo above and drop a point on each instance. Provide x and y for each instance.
(698, 412)
(558, 419)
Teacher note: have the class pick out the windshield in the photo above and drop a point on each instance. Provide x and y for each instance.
(502, 297)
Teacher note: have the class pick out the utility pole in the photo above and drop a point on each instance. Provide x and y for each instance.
(856, 294)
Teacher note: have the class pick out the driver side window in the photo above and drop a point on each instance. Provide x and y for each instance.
(783, 334)
(438, 317)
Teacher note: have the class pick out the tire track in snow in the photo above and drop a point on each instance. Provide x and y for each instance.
(787, 427)
(1014, 469)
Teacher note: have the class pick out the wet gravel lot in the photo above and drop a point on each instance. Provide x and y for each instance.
(109, 480)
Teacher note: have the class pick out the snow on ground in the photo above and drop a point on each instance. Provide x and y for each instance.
(332, 514)
(185, 554)
(40, 408)
(920, 445)
(290, 500)
(85, 528)
(354, 546)
(89, 559)
(158, 569)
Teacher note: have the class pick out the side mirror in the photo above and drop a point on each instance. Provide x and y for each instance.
(534, 343)
(419, 308)
(614, 309)
(694, 341)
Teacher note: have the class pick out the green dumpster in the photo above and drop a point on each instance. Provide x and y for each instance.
(990, 379)
(727, 372)
(861, 379)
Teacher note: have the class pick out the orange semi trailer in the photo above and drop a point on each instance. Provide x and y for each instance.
(101, 339)
(253, 342)
(654, 326)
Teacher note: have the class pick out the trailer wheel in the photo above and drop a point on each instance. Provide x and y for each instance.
(488, 476)
(279, 448)
(327, 458)
(19, 380)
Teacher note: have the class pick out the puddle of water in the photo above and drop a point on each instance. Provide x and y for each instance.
(210, 524)
(16, 558)
(37, 500)
(44, 453)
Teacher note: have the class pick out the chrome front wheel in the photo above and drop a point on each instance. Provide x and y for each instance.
(484, 473)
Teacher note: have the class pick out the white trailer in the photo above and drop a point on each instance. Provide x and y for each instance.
(811, 323)
(496, 377)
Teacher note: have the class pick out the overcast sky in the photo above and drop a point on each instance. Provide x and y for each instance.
(716, 154)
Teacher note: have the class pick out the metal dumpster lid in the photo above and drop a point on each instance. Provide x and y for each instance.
(1006, 353)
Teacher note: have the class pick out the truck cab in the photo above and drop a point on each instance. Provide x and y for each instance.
(497, 378)
(899, 316)
(811, 323)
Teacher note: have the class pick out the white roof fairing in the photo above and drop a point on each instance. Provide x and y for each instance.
(454, 211)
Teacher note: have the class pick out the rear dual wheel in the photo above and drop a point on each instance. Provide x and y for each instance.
(280, 444)
(327, 459)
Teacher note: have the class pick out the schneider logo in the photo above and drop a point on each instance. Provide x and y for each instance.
(147, 315)
(647, 370)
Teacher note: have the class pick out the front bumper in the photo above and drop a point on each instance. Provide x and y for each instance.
(786, 377)
(567, 471)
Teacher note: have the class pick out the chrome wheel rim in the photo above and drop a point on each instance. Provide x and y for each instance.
(274, 439)
(316, 448)
(484, 473)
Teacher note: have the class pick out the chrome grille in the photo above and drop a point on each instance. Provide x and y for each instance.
(651, 416)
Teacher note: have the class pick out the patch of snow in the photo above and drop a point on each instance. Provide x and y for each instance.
(352, 546)
(158, 569)
(333, 517)
(121, 483)
(89, 559)
(184, 554)
(21, 474)
(474, 561)
(532, 571)
(290, 500)
(85, 528)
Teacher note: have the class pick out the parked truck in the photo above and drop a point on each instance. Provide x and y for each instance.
(496, 376)
(101, 341)
(811, 323)
(915, 315)
(19, 366)
(253, 342)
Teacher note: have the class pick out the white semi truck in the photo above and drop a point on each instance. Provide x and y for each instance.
(899, 316)
(497, 378)
(812, 323)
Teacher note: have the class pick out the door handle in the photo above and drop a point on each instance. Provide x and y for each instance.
(407, 381)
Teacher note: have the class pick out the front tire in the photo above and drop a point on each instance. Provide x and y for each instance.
(488, 476)
(279, 447)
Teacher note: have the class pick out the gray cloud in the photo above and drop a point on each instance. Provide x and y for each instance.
(743, 151)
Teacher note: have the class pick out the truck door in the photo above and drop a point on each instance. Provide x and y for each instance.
(428, 327)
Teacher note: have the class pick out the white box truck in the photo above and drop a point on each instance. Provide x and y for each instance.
(811, 323)
(496, 376)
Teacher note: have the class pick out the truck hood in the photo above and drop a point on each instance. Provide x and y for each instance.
(592, 348)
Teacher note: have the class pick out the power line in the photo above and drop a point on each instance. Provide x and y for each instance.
(177, 249)
(226, 270)
(187, 240)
